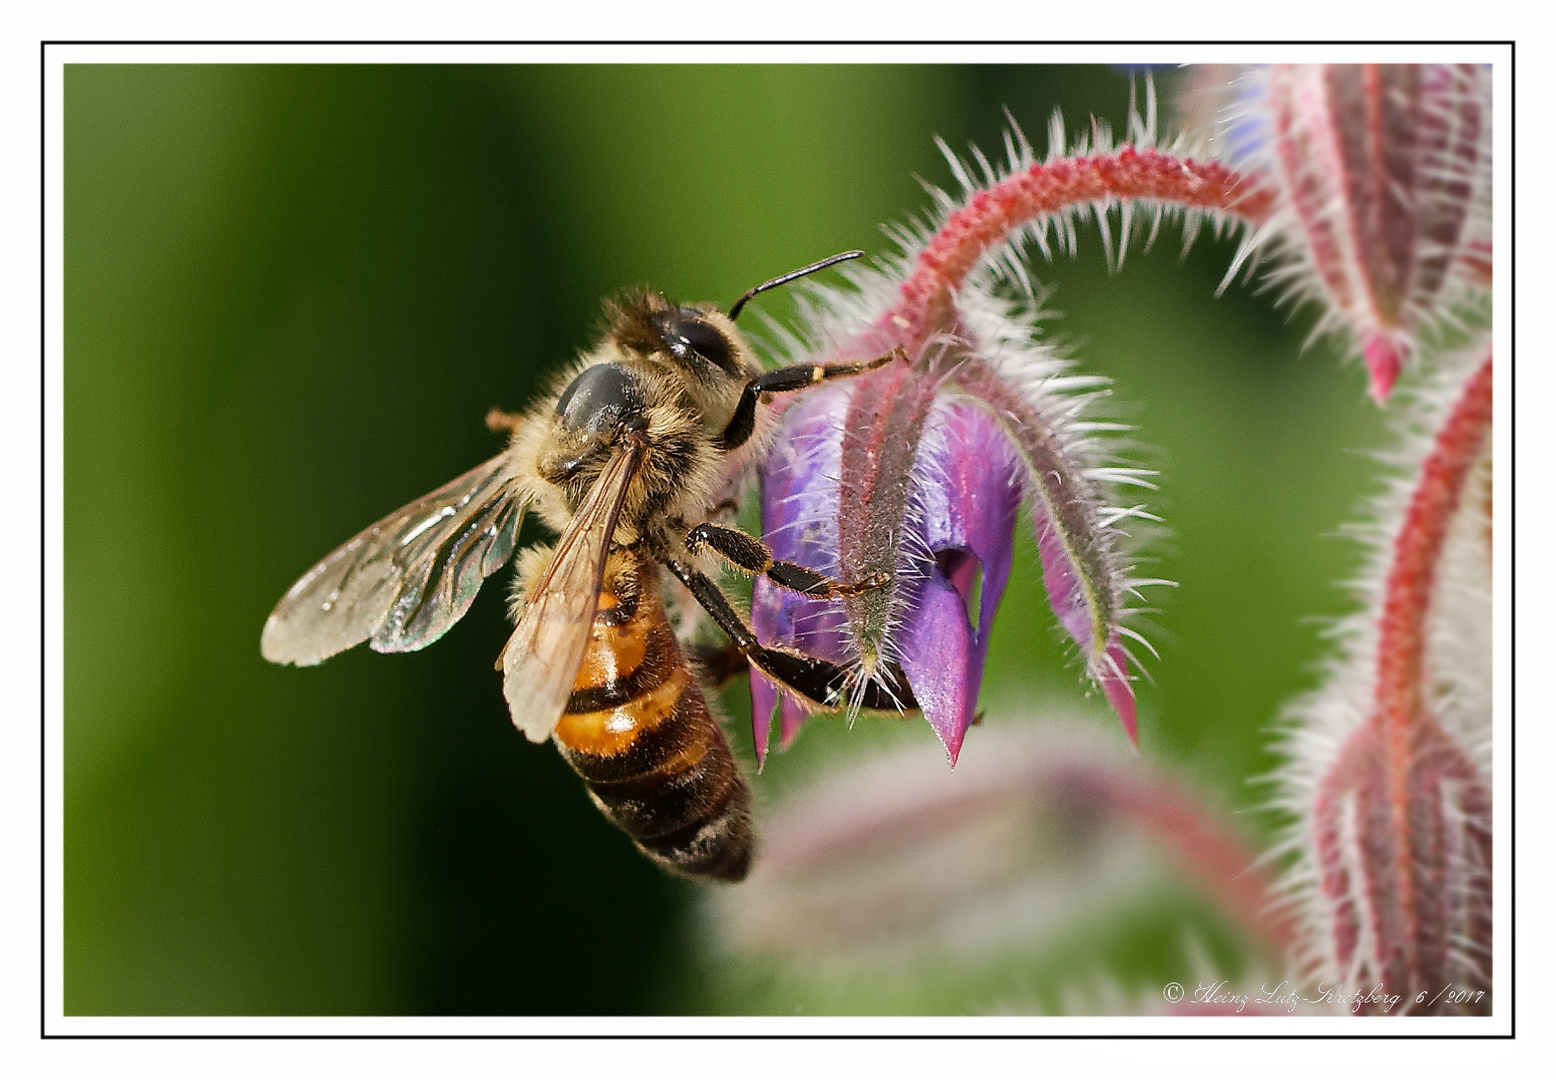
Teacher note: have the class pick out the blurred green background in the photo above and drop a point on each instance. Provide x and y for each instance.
(292, 293)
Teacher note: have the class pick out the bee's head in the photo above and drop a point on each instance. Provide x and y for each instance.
(701, 343)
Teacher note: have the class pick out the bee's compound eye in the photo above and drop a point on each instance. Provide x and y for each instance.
(603, 396)
(687, 329)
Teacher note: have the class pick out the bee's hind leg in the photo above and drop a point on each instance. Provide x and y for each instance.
(716, 665)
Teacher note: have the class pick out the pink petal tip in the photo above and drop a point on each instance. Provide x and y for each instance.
(1120, 694)
(1385, 360)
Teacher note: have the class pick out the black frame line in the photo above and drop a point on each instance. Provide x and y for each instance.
(1506, 413)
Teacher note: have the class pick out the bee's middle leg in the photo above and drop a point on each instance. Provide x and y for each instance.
(822, 683)
(750, 554)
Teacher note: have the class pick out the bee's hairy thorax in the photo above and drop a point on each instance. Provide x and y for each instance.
(678, 472)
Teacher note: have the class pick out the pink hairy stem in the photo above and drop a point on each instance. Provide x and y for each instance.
(1051, 188)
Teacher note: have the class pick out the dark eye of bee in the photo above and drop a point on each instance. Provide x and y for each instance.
(603, 396)
(686, 331)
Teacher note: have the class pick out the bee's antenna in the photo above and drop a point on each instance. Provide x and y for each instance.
(784, 279)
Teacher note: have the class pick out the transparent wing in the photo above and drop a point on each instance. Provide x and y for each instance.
(541, 659)
(406, 579)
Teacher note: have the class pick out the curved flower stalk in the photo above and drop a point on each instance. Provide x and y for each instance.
(1382, 180)
(915, 474)
(1389, 771)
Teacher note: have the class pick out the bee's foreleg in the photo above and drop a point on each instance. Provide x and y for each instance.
(797, 377)
(751, 555)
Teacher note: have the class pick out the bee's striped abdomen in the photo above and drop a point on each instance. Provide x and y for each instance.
(638, 731)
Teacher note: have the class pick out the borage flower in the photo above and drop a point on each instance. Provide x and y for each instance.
(963, 497)
(915, 473)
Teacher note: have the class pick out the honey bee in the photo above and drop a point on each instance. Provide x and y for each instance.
(623, 460)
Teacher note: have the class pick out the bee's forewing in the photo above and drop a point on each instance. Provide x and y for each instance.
(540, 662)
(406, 579)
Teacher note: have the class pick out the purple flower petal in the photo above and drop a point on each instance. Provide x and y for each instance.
(942, 658)
(764, 695)
(968, 484)
(799, 512)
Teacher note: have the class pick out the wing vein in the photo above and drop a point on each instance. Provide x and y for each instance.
(387, 583)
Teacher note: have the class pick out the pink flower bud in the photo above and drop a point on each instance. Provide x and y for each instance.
(1384, 175)
(1395, 841)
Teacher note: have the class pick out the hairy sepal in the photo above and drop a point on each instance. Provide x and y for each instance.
(1042, 409)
